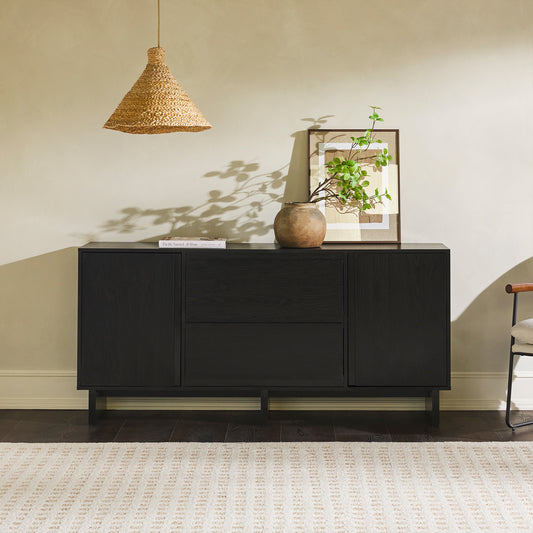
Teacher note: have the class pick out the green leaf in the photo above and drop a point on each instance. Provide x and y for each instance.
(365, 183)
(336, 160)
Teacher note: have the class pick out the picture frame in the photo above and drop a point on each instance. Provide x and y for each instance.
(377, 225)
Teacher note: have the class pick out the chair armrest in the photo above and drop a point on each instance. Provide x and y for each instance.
(519, 287)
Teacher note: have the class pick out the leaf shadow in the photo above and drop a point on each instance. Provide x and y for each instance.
(252, 192)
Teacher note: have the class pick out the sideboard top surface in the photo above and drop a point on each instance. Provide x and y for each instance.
(431, 247)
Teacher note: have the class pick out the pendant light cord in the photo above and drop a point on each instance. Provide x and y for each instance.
(158, 23)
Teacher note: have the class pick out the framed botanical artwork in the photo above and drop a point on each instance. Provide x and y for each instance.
(377, 223)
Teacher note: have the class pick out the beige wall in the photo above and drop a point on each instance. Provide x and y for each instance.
(455, 77)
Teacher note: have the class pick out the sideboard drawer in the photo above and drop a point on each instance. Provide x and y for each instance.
(222, 287)
(263, 355)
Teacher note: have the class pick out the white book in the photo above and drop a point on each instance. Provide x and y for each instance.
(192, 242)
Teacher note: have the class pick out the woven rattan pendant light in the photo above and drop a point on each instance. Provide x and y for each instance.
(156, 103)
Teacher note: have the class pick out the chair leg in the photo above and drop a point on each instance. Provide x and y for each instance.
(509, 388)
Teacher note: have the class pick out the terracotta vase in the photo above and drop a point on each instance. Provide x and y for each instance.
(300, 225)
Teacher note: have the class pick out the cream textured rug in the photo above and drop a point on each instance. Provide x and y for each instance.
(309, 487)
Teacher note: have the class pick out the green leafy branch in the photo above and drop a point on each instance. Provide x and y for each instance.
(345, 188)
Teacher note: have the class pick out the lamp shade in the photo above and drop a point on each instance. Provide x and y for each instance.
(156, 103)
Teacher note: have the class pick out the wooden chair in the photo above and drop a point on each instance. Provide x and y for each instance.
(521, 344)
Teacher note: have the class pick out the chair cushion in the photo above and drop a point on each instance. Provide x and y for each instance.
(523, 348)
(523, 331)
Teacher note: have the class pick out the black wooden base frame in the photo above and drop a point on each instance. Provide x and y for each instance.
(97, 397)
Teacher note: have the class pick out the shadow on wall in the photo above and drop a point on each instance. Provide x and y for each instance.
(235, 216)
(38, 313)
(252, 192)
(297, 185)
(480, 336)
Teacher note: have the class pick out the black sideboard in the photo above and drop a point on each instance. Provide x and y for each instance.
(340, 320)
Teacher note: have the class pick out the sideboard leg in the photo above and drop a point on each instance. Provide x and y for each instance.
(435, 407)
(264, 406)
(96, 405)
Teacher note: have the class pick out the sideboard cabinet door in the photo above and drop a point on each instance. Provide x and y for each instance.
(399, 319)
(129, 319)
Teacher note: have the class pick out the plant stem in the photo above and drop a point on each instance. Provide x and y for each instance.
(322, 186)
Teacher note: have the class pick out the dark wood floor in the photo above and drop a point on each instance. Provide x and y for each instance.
(224, 426)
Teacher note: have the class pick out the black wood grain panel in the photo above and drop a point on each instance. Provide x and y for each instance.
(264, 287)
(263, 355)
(399, 319)
(129, 319)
